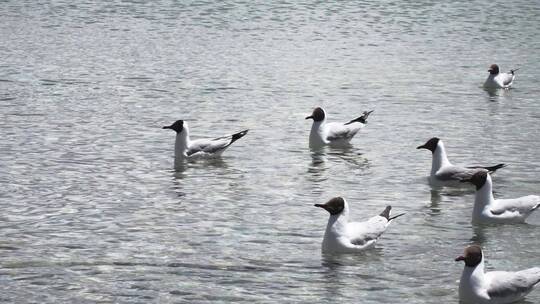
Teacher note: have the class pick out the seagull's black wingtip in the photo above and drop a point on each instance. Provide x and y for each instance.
(396, 216)
(239, 135)
(496, 167)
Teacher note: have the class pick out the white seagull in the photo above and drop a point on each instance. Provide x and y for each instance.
(490, 210)
(184, 147)
(496, 287)
(498, 80)
(443, 172)
(333, 133)
(342, 236)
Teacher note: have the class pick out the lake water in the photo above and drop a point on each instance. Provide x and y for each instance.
(93, 210)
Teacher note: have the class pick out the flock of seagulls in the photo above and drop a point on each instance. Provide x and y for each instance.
(343, 236)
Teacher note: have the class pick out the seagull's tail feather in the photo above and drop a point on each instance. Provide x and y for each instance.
(495, 168)
(237, 136)
(396, 216)
(513, 70)
(490, 169)
(361, 119)
(386, 214)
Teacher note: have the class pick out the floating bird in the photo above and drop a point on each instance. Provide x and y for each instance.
(488, 209)
(443, 172)
(498, 80)
(496, 287)
(184, 147)
(333, 133)
(342, 236)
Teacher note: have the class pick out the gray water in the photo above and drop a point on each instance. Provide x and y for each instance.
(94, 211)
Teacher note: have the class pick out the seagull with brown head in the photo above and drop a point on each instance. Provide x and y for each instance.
(498, 80)
(185, 148)
(487, 209)
(342, 236)
(332, 133)
(495, 287)
(443, 172)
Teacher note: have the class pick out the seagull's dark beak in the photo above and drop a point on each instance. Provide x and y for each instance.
(322, 206)
(309, 117)
(460, 258)
(490, 70)
(167, 127)
(421, 147)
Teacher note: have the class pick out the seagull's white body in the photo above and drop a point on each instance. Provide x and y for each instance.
(497, 287)
(444, 173)
(333, 133)
(487, 209)
(342, 236)
(499, 81)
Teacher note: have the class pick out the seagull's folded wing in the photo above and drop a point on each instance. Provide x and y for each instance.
(209, 146)
(337, 131)
(455, 173)
(512, 284)
(506, 78)
(362, 232)
(523, 205)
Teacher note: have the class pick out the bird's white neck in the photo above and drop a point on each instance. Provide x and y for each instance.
(483, 197)
(439, 158)
(491, 81)
(317, 136)
(182, 143)
(472, 281)
(337, 223)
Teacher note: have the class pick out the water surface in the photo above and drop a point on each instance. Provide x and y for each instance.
(93, 210)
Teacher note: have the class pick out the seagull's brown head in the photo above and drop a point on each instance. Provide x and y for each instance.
(472, 256)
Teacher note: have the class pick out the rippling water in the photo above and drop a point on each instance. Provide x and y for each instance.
(93, 210)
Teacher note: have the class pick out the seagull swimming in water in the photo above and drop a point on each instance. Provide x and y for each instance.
(184, 147)
(342, 236)
(333, 133)
(490, 210)
(496, 287)
(497, 80)
(443, 172)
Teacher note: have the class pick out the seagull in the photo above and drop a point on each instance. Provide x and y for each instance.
(184, 147)
(496, 287)
(498, 80)
(487, 209)
(333, 133)
(443, 172)
(342, 236)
